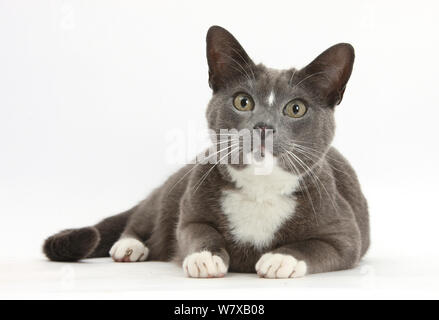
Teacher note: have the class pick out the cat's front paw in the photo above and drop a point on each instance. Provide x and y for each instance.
(204, 264)
(280, 266)
(129, 250)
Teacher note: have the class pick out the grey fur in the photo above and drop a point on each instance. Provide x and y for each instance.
(329, 230)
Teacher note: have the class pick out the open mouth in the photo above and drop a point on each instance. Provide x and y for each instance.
(263, 143)
(262, 147)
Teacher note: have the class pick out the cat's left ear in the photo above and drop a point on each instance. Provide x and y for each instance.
(227, 60)
(329, 72)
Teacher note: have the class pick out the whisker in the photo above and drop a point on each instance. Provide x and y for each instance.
(292, 77)
(204, 176)
(308, 172)
(321, 183)
(193, 167)
(325, 153)
(239, 65)
(306, 189)
(320, 155)
(306, 78)
(245, 61)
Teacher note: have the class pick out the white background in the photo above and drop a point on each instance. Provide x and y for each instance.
(89, 91)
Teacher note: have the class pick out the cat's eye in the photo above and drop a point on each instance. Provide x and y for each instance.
(243, 102)
(295, 109)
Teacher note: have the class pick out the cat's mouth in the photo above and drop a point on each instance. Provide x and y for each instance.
(260, 154)
(263, 143)
(262, 146)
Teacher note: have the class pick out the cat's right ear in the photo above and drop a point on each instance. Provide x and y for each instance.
(330, 72)
(226, 58)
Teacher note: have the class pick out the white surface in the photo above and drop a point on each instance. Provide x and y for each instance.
(91, 92)
(104, 279)
(402, 263)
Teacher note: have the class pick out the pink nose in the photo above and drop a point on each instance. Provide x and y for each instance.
(263, 126)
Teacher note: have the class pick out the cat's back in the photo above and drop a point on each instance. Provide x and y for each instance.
(349, 188)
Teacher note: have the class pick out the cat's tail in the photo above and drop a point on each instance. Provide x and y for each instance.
(88, 242)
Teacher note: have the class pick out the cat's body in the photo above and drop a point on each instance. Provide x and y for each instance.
(305, 218)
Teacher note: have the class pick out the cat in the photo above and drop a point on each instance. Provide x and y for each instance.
(307, 215)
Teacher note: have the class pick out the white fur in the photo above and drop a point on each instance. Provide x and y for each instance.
(204, 265)
(271, 98)
(261, 204)
(129, 250)
(280, 266)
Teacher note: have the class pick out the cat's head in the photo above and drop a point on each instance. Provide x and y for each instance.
(297, 104)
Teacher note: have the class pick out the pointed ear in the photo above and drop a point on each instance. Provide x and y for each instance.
(330, 72)
(226, 58)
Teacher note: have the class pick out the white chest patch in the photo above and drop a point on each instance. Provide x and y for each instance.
(261, 205)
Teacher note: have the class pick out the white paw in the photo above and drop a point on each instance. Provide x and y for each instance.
(129, 250)
(204, 265)
(280, 266)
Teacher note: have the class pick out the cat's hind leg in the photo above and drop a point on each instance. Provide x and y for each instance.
(88, 242)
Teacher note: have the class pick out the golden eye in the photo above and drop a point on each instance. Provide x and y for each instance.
(295, 109)
(243, 102)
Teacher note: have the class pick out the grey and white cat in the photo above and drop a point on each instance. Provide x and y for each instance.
(307, 216)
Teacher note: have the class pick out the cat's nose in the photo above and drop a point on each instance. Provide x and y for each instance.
(264, 126)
